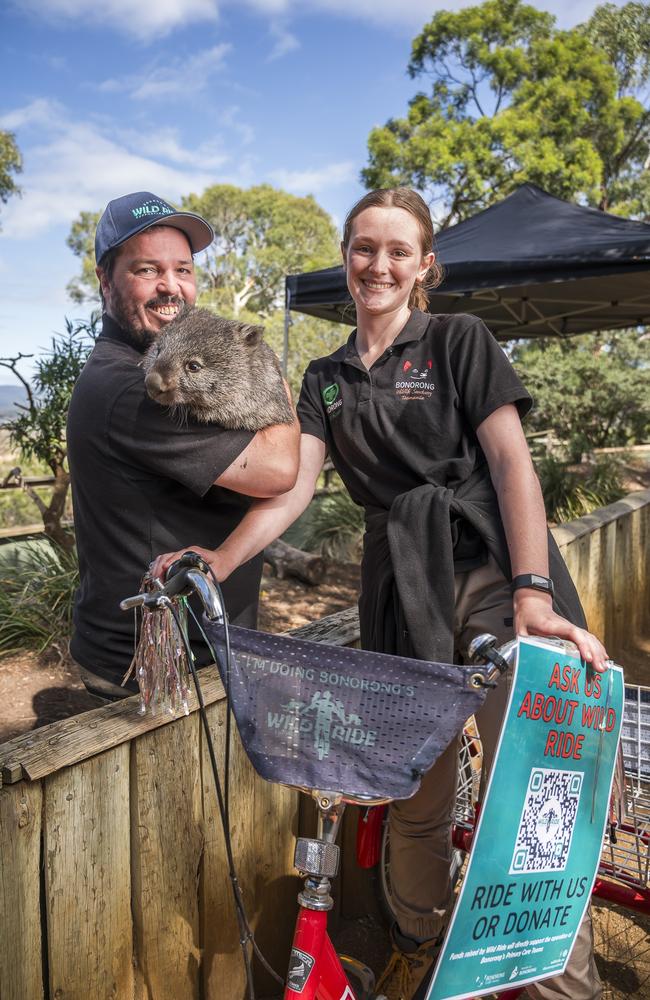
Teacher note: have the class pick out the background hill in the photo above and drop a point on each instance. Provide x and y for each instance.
(9, 396)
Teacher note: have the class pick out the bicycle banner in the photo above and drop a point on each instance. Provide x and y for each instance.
(539, 837)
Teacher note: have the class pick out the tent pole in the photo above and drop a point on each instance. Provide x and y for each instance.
(287, 324)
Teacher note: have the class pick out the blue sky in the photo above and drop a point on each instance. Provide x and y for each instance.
(172, 96)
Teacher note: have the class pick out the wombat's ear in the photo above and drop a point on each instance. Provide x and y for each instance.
(250, 334)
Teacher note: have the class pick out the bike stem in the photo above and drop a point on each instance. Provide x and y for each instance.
(318, 857)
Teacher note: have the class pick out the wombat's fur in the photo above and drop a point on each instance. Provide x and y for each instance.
(217, 370)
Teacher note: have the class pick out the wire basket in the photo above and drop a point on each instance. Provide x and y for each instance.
(625, 856)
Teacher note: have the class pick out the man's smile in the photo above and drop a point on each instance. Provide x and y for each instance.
(168, 310)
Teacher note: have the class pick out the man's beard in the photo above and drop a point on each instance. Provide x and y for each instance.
(138, 335)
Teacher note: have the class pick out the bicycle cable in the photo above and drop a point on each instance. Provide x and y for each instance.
(223, 793)
(229, 714)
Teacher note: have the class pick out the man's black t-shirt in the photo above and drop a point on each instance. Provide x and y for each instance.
(142, 484)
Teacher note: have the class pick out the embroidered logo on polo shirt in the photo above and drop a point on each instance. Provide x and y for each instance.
(330, 397)
(418, 384)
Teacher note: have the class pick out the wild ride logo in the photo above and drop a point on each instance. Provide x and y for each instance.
(330, 397)
(325, 717)
(309, 703)
(152, 207)
(416, 385)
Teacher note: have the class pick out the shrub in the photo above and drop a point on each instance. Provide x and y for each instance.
(334, 527)
(569, 494)
(38, 581)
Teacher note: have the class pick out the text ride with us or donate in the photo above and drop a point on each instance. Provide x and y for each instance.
(539, 837)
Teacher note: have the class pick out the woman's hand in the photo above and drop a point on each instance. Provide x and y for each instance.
(534, 615)
(213, 557)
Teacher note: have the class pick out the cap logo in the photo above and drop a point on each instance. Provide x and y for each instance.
(152, 208)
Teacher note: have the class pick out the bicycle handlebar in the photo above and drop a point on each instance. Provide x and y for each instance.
(188, 575)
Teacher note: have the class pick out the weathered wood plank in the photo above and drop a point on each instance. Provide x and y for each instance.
(166, 849)
(21, 971)
(277, 884)
(223, 968)
(43, 751)
(87, 879)
(340, 629)
(39, 753)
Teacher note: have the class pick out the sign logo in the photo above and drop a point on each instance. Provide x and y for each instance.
(152, 207)
(324, 717)
(300, 965)
(415, 383)
(414, 373)
(330, 393)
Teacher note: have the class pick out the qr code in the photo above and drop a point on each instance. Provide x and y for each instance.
(547, 821)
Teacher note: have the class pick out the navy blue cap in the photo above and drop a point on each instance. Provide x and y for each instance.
(127, 216)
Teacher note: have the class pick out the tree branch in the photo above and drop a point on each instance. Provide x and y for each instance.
(11, 363)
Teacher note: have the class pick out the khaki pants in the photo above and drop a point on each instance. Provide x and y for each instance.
(420, 827)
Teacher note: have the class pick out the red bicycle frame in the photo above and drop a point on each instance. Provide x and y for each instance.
(327, 979)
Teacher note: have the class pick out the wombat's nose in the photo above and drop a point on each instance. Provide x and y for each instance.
(155, 384)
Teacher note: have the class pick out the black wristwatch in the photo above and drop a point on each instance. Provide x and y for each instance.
(533, 581)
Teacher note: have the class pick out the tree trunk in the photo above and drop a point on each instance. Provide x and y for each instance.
(289, 561)
(52, 514)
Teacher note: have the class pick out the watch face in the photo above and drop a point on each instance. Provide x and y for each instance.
(533, 581)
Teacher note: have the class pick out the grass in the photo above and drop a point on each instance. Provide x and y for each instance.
(37, 586)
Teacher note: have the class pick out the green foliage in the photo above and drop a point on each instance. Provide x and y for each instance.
(11, 163)
(39, 431)
(569, 494)
(309, 338)
(592, 391)
(261, 235)
(36, 597)
(84, 287)
(334, 526)
(511, 100)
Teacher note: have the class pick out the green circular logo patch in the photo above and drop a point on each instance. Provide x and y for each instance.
(330, 392)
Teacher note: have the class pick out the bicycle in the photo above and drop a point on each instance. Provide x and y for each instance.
(339, 757)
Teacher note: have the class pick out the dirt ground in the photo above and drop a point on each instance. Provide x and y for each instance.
(38, 690)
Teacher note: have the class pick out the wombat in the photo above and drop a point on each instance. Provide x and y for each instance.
(218, 371)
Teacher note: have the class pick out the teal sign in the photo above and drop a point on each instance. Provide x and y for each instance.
(540, 833)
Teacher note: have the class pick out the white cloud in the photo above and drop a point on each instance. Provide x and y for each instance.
(141, 20)
(229, 118)
(148, 21)
(313, 181)
(42, 111)
(177, 78)
(285, 41)
(79, 165)
(164, 143)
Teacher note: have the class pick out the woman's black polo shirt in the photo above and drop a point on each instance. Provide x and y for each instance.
(411, 419)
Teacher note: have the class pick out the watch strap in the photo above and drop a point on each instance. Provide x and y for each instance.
(534, 582)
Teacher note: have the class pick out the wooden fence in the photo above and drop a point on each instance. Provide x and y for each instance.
(112, 873)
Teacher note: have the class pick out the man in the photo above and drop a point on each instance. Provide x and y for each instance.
(141, 483)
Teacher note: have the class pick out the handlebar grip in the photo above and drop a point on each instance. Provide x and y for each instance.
(132, 602)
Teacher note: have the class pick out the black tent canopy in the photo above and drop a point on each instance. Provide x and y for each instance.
(530, 266)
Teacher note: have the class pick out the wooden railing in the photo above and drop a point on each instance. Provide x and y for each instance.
(112, 871)
(113, 877)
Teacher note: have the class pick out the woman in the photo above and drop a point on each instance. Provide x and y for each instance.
(421, 417)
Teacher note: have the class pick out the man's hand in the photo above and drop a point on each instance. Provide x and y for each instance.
(162, 563)
(534, 615)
